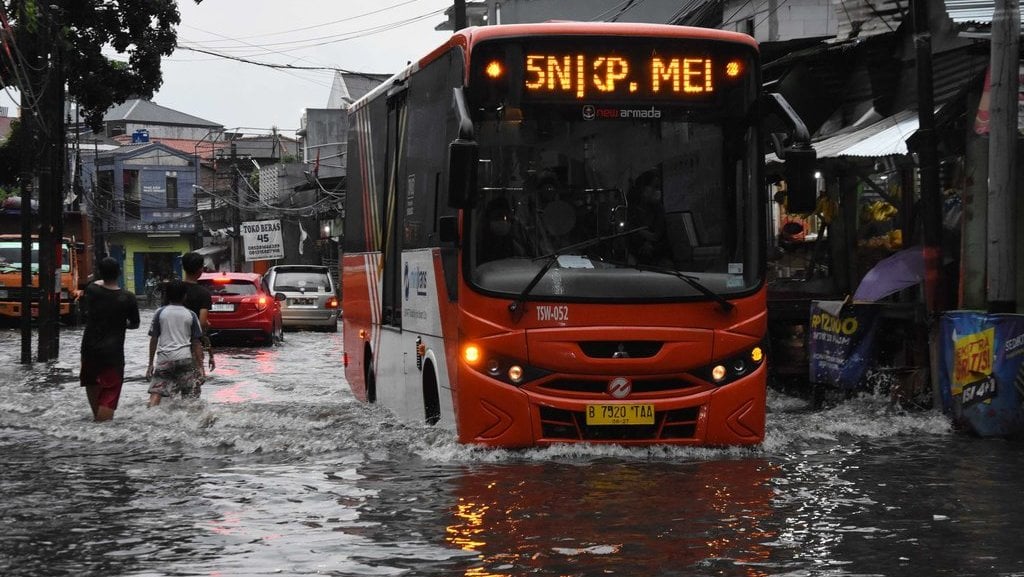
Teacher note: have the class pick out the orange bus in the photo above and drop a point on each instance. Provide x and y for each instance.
(556, 233)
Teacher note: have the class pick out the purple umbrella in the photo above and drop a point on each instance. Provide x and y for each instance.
(892, 274)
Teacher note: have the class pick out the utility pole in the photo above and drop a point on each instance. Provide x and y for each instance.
(29, 145)
(51, 187)
(27, 185)
(1002, 164)
(236, 212)
(928, 165)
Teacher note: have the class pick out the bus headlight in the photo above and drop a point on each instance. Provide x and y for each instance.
(725, 371)
(718, 373)
(507, 370)
(493, 368)
(515, 374)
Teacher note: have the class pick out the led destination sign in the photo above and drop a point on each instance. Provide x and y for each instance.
(583, 76)
(650, 70)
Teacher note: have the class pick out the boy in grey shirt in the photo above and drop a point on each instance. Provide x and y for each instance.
(174, 339)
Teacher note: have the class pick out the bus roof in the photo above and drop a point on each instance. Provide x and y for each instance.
(468, 37)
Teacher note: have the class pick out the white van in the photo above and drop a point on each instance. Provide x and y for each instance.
(311, 297)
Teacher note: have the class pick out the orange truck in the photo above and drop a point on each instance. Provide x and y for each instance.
(11, 287)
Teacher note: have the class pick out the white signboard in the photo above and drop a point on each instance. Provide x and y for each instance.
(261, 240)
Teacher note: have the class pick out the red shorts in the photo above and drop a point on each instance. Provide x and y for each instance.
(108, 378)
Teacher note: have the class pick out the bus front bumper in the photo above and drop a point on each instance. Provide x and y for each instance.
(500, 415)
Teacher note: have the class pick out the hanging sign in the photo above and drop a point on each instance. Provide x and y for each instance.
(261, 240)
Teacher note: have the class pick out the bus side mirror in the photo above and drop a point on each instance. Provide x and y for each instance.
(801, 186)
(448, 229)
(463, 157)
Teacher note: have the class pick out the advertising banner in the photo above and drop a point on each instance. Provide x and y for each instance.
(841, 342)
(981, 372)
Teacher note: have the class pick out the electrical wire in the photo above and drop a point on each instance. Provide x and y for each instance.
(325, 24)
(20, 68)
(322, 41)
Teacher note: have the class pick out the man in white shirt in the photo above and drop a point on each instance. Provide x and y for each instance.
(174, 341)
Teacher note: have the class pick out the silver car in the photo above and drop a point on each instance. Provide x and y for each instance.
(311, 299)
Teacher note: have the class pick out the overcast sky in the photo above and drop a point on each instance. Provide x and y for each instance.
(376, 37)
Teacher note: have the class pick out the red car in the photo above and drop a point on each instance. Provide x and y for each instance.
(242, 306)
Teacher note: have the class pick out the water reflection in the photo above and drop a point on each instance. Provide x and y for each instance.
(629, 519)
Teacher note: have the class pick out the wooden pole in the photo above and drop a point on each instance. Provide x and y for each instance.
(1002, 165)
(928, 165)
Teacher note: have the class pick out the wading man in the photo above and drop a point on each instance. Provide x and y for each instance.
(109, 311)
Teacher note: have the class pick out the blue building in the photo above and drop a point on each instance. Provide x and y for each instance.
(140, 199)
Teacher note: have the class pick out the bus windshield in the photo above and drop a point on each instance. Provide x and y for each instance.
(614, 207)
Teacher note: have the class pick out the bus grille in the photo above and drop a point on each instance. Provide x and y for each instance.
(563, 425)
(616, 349)
(599, 386)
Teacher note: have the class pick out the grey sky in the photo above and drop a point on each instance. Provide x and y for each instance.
(378, 37)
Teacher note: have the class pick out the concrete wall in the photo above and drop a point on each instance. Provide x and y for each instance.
(326, 130)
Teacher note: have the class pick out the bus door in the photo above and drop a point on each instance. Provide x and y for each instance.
(394, 202)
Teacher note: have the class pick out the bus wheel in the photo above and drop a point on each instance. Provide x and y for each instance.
(369, 377)
(431, 402)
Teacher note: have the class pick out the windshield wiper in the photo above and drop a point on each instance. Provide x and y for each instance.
(516, 306)
(723, 302)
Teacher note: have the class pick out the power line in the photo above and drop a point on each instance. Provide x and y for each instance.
(322, 25)
(264, 64)
(324, 40)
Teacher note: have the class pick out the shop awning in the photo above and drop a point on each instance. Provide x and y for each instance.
(887, 137)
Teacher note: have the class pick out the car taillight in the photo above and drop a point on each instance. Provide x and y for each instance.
(332, 303)
(259, 303)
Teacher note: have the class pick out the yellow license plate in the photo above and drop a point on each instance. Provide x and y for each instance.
(620, 414)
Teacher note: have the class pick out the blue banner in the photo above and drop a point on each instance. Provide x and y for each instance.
(981, 371)
(842, 342)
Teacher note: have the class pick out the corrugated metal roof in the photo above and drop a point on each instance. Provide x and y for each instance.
(863, 18)
(978, 11)
(887, 137)
(146, 111)
(351, 86)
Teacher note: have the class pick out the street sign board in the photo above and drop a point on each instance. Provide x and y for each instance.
(261, 240)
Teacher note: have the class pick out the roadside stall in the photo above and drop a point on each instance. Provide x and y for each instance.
(836, 264)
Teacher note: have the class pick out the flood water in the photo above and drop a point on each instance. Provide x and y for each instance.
(277, 470)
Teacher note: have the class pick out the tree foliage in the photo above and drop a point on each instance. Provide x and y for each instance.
(139, 31)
